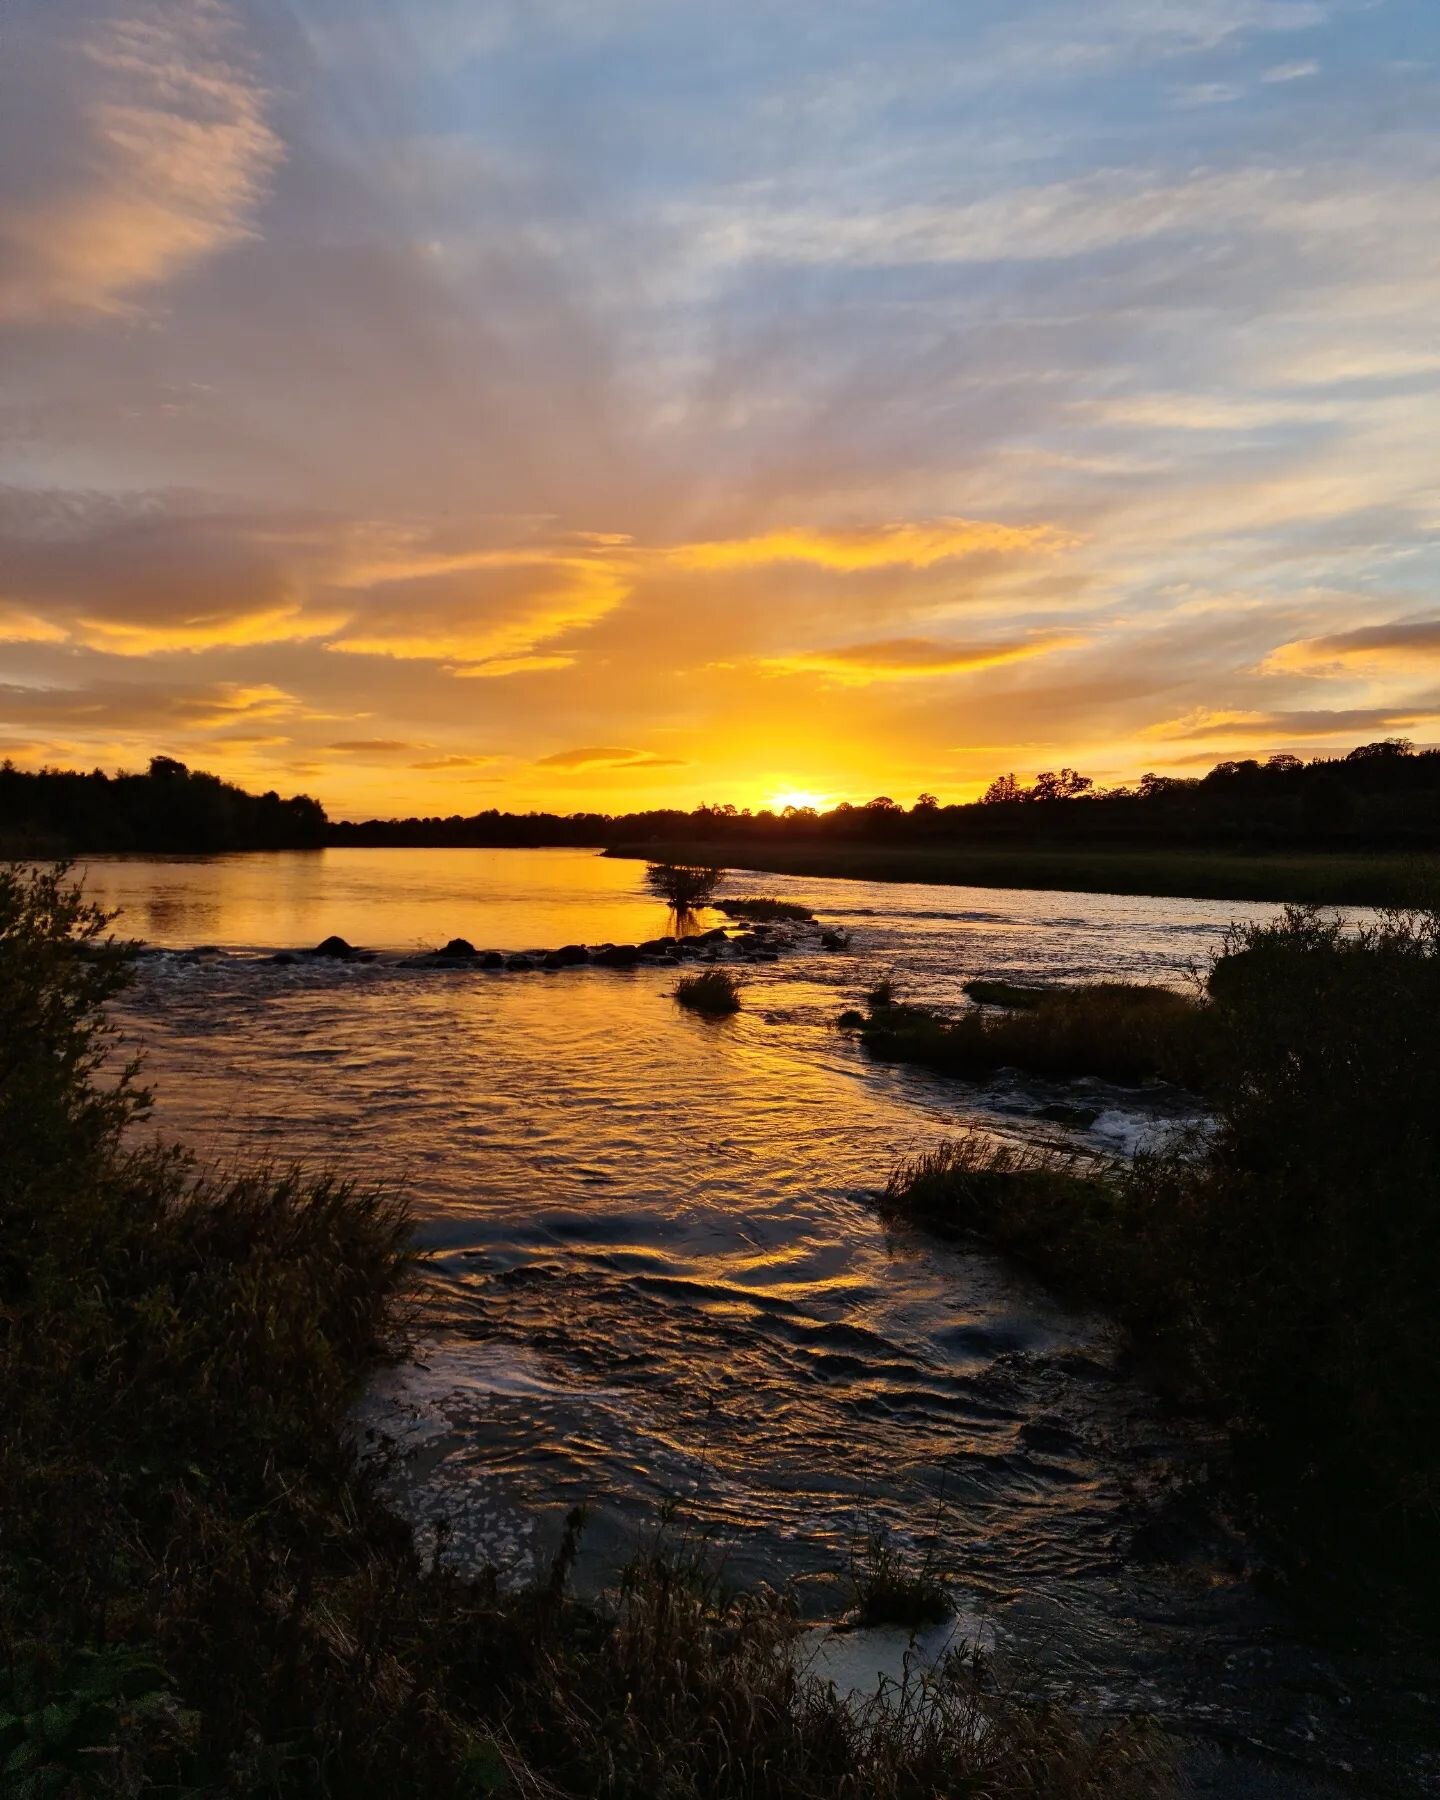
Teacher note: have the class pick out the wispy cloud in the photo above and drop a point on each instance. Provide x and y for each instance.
(1397, 646)
(913, 659)
(606, 756)
(917, 545)
(135, 143)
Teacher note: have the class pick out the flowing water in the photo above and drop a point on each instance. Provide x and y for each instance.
(659, 1269)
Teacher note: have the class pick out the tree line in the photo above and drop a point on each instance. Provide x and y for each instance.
(56, 812)
(1383, 795)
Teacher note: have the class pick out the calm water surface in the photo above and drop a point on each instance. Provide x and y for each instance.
(660, 1271)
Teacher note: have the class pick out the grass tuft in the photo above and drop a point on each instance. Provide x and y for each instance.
(894, 1589)
(715, 992)
(1117, 1030)
(1007, 993)
(765, 908)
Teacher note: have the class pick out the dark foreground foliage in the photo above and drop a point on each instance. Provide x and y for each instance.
(1121, 1031)
(1284, 1264)
(200, 1592)
(713, 991)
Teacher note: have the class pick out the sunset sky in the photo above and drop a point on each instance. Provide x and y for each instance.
(436, 404)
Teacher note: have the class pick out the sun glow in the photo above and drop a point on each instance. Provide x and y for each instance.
(798, 798)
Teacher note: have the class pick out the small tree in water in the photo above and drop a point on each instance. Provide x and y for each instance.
(684, 886)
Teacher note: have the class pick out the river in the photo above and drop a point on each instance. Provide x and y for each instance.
(659, 1269)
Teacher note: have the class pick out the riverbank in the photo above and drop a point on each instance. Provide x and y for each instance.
(1280, 1264)
(179, 1358)
(1320, 879)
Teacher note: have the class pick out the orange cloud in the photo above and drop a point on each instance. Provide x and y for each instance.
(458, 762)
(607, 756)
(114, 706)
(17, 627)
(913, 545)
(492, 611)
(1341, 723)
(1399, 644)
(203, 631)
(912, 659)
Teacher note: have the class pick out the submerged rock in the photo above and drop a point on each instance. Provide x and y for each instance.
(572, 955)
(491, 959)
(618, 956)
(519, 963)
(1060, 1114)
(284, 958)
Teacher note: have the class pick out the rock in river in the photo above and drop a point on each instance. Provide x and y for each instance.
(1060, 1114)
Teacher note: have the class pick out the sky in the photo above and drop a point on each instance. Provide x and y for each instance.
(435, 405)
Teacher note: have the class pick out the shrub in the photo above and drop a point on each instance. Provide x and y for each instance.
(683, 886)
(713, 991)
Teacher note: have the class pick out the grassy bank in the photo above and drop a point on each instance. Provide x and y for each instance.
(1120, 1031)
(1320, 879)
(1282, 1266)
(202, 1594)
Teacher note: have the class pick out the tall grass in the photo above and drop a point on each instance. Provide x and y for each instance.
(201, 1593)
(1283, 1264)
(1119, 1030)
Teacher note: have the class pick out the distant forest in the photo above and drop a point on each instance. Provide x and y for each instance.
(1379, 796)
(1384, 795)
(169, 808)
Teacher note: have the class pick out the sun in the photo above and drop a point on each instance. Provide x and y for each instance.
(797, 797)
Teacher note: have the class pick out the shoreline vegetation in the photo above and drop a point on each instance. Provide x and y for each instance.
(1304, 877)
(1356, 829)
(204, 1592)
(1277, 1267)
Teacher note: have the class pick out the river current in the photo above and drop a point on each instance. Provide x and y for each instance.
(659, 1270)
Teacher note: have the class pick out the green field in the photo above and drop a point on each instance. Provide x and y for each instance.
(1379, 879)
